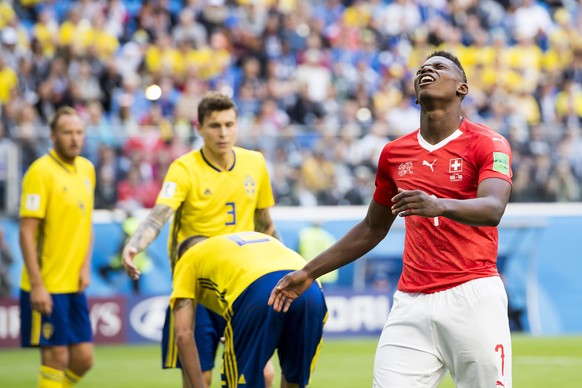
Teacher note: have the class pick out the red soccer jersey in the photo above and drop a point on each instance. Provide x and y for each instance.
(440, 253)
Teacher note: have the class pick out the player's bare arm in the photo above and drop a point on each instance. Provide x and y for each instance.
(146, 232)
(484, 210)
(85, 274)
(184, 317)
(39, 297)
(358, 241)
(264, 223)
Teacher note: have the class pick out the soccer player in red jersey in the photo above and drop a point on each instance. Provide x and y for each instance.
(451, 181)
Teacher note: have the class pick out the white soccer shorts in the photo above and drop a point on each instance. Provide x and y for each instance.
(464, 330)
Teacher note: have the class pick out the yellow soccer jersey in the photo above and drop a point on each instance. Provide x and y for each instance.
(62, 196)
(209, 202)
(216, 271)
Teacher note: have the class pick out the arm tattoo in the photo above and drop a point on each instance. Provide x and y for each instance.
(264, 223)
(150, 228)
(181, 303)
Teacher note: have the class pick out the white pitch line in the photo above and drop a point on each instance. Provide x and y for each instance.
(544, 360)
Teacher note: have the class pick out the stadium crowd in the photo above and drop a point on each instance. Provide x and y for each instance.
(320, 85)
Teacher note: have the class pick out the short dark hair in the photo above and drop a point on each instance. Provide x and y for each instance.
(214, 102)
(452, 58)
(188, 243)
(63, 111)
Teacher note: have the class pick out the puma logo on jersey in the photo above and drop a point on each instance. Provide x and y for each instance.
(207, 192)
(425, 163)
(498, 139)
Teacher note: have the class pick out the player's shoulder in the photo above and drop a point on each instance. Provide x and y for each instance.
(41, 161)
(84, 163)
(190, 158)
(404, 140)
(481, 133)
(42, 165)
(246, 156)
(246, 153)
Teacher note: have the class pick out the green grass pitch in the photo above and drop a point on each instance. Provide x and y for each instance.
(537, 363)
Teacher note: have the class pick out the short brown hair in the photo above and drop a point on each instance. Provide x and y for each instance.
(63, 111)
(189, 243)
(214, 102)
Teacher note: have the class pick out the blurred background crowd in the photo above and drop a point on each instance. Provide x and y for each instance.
(321, 86)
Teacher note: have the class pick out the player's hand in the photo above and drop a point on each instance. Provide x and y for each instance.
(288, 289)
(84, 279)
(41, 300)
(127, 257)
(415, 202)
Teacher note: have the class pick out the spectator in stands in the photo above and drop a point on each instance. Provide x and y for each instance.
(562, 184)
(9, 47)
(8, 82)
(403, 118)
(28, 133)
(6, 261)
(532, 20)
(8, 151)
(360, 192)
(130, 96)
(87, 82)
(569, 102)
(54, 90)
(188, 29)
(108, 174)
(574, 69)
(313, 76)
(75, 31)
(135, 191)
(45, 32)
(318, 174)
(116, 17)
(28, 81)
(101, 41)
(398, 18)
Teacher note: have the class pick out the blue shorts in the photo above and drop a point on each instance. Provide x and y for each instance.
(209, 329)
(68, 323)
(254, 330)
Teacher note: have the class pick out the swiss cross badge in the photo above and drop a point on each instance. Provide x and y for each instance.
(455, 165)
(455, 169)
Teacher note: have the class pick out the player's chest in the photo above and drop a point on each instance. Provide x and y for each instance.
(225, 186)
(72, 191)
(444, 173)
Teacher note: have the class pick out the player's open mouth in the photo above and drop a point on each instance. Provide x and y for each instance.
(426, 79)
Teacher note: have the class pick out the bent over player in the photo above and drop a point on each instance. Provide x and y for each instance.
(233, 275)
(451, 181)
(216, 190)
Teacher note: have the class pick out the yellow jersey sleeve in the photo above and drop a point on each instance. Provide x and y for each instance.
(35, 193)
(266, 198)
(91, 174)
(176, 186)
(183, 283)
